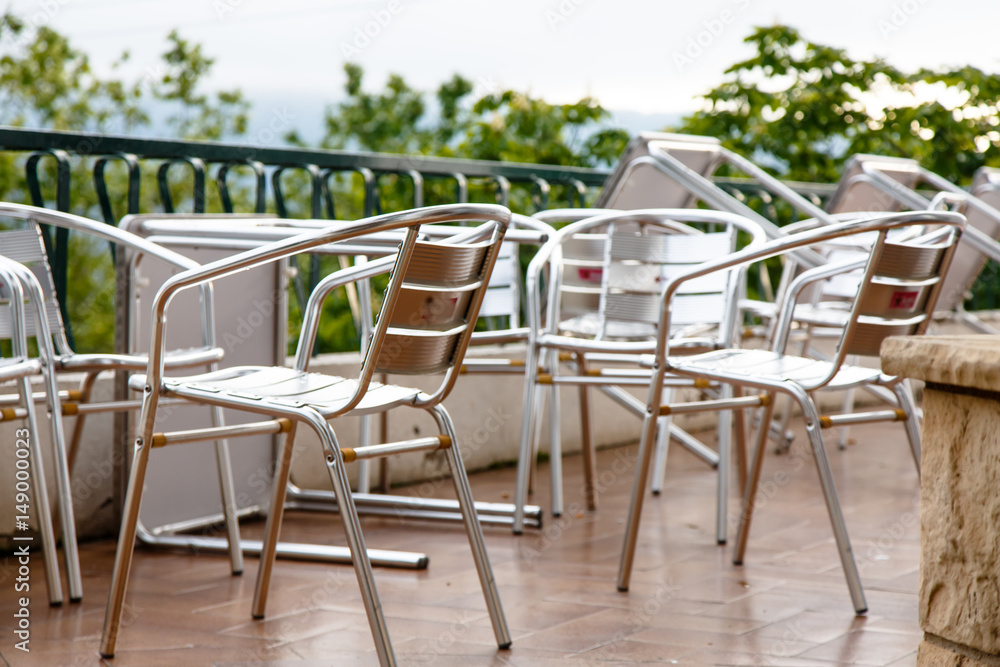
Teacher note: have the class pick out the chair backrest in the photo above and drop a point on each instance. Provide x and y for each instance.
(26, 247)
(640, 261)
(612, 269)
(13, 323)
(431, 304)
(899, 291)
(639, 185)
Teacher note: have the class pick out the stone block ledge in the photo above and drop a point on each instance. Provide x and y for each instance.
(971, 361)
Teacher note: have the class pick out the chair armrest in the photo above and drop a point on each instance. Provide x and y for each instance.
(99, 229)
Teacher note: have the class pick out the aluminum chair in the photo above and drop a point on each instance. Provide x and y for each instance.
(26, 246)
(424, 326)
(901, 285)
(587, 257)
(606, 275)
(28, 469)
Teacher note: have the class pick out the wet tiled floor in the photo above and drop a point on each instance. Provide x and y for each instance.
(688, 605)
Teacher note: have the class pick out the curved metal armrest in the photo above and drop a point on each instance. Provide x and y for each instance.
(311, 313)
(99, 229)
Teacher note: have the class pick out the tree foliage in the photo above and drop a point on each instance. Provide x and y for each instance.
(46, 82)
(804, 108)
(484, 122)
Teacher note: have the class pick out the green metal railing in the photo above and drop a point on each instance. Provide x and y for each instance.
(52, 160)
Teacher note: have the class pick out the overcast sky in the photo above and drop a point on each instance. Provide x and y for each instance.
(634, 55)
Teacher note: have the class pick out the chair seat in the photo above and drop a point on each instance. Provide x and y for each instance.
(500, 336)
(589, 324)
(195, 356)
(771, 366)
(274, 388)
(826, 314)
(19, 367)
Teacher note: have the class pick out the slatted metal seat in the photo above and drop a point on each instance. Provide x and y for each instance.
(424, 327)
(607, 272)
(898, 291)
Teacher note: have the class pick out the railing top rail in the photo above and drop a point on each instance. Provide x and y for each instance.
(92, 143)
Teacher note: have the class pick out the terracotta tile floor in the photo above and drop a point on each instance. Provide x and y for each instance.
(688, 605)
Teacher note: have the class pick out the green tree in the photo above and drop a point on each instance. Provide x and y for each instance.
(46, 82)
(504, 125)
(803, 108)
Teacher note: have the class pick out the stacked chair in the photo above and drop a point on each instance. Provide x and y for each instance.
(25, 246)
(877, 183)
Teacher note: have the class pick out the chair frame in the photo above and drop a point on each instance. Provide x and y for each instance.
(243, 232)
(21, 283)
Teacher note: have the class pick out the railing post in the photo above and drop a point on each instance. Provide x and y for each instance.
(197, 193)
(260, 205)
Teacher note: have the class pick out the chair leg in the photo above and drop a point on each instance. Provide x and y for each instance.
(725, 434)
(662, 446)
(355, 540)
(524, 458)
(229, 508)
(846, 408)
(269, 544)
(86, 387)
(750, 492)
(641, 479)
(473, 529)
(41, 497)
(740, 421)
(555, 450)
(845, 431)
(660, 454)
(832, 503)
(912, 421)
(126, 545)
(364, 467)
(586, 442)
(64, 492)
